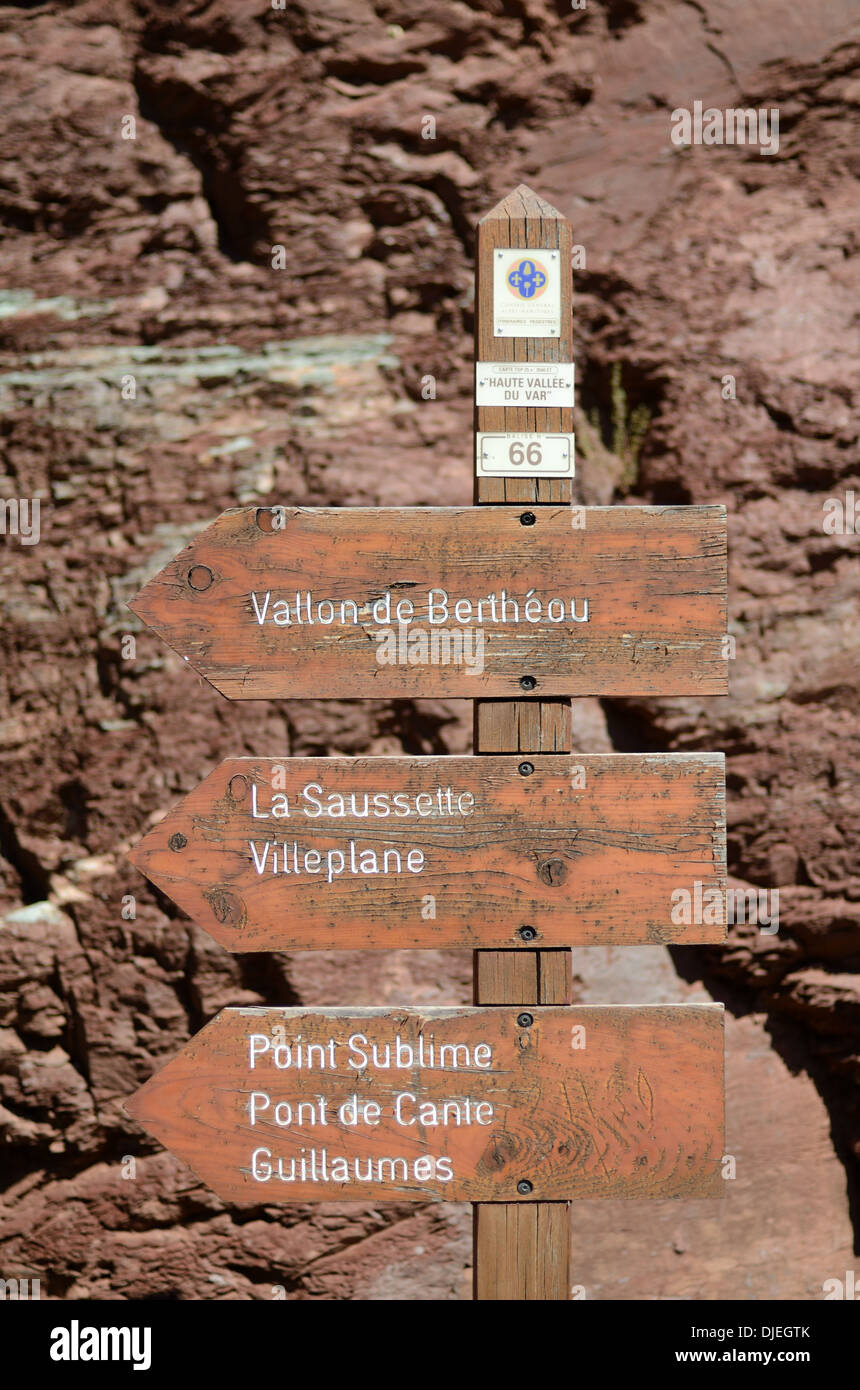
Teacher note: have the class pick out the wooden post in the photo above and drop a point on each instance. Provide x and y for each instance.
(522, 1251)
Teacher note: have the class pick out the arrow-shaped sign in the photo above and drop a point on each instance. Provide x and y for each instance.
(482, 1105)
(286, 602)
(272, 854)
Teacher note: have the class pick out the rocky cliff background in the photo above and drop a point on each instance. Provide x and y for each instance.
(155, 368)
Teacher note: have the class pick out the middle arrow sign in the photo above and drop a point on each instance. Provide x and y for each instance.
(486, 852)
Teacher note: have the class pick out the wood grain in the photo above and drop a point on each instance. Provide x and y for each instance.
(654, 580)
(574, 864)
(636, 1112)
(522, 1252)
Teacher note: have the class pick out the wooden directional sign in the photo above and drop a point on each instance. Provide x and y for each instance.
(487, 1105)
(483, 601)
(272, 854)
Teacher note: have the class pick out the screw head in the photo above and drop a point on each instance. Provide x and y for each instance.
(526, 769)
(528, 682)
(528, 519)
(524, 1187)
(524, 1020)
(527, 933)
(177, 841)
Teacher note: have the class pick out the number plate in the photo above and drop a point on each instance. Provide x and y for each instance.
(526, 293)
(532, 455)
(535, 384)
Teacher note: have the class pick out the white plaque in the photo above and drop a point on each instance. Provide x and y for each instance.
(524, 383)
(525, 455)
(526, 293)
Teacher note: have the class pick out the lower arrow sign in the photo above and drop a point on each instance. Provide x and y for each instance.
(482, 1105)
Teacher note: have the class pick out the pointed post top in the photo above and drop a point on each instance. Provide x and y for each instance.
(520, 203)
(524, 234)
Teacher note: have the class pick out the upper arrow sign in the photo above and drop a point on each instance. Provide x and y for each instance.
(276, 602)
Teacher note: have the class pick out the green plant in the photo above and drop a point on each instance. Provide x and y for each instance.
(628, 430)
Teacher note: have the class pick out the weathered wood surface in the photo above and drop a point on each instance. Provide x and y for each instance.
(522, 1252)
(637, 1111)
(279, 854)
(651, 579)
(522, 219)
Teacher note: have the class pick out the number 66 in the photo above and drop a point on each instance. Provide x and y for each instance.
(531, 454)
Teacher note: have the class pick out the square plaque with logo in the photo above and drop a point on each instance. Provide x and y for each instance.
(526, 293)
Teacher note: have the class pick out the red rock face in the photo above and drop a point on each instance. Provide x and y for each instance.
(265, 295)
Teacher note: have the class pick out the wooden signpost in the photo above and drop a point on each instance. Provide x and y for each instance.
(524, 1101)
(471, 852)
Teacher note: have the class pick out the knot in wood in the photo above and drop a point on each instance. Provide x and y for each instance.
(227, 907)
(552, 872)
